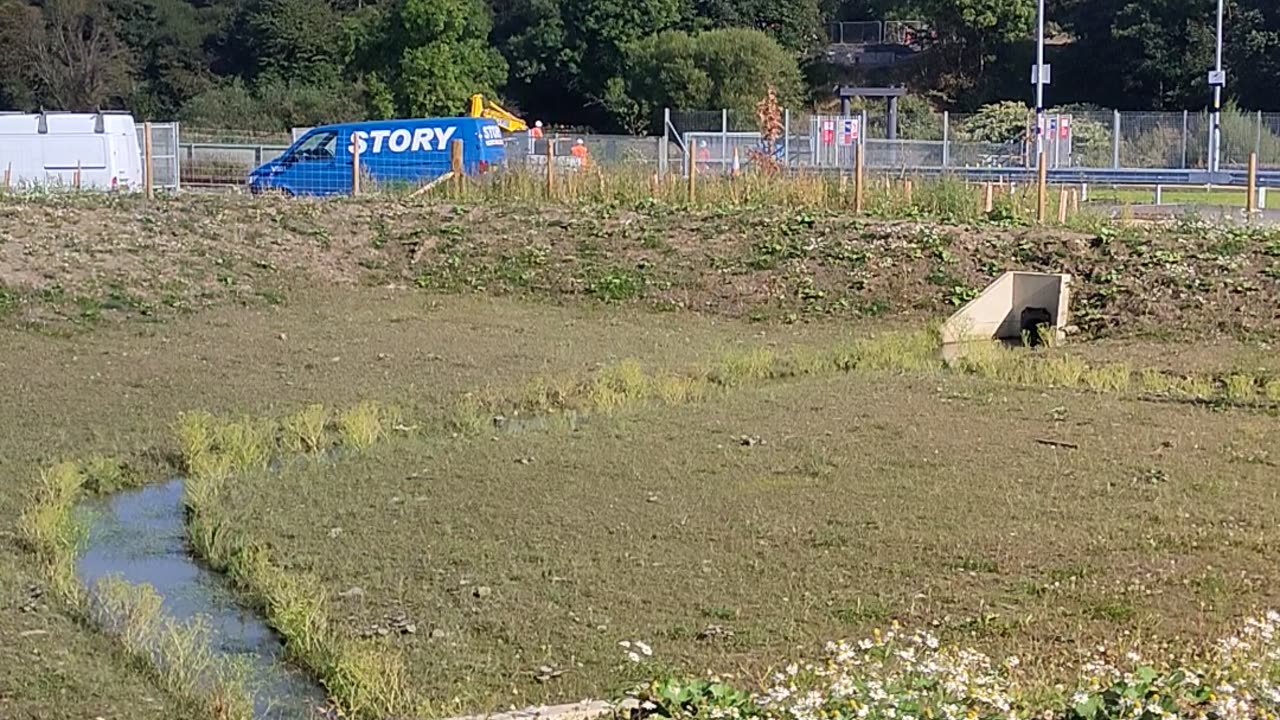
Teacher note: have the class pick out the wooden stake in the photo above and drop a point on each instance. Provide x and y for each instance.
(844, 184)
(1251, 204)
(551, 167)
(1075, 201)
(147, 179)
(1062, 206)
(355, 168)
(76, 180)
(427, 188)
(8, 176)
(906, 190)
(988, 199)
(455, 163)
(693, 171)
(858, 180)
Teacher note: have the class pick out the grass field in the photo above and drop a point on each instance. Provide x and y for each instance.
(1169, 196)
(852, 501)
(855, 498)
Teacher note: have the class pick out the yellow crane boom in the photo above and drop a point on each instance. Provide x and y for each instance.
(492, 110)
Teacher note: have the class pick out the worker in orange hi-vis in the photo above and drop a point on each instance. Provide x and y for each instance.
(704, 156)
(535, 134)
(580, 151)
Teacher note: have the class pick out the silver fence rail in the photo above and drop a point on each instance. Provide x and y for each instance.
(925, 143)
(876, 32)
(1074, 139)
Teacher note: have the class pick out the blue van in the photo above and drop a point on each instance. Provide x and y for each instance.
(391, 151)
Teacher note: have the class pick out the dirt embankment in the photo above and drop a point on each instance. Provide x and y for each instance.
(83, 259)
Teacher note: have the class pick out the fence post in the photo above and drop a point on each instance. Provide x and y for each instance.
(1062, 206)
(355, 168)
(724, 135)
(146, 161)
(1257, 144)
(1115, 139)
(664, 148)
(946, 139)
(1251, 204)
(786, 138)
(177, 161)
(1184, 139)
(8, 176)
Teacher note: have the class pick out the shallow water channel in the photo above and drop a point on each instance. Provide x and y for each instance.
(140, 536)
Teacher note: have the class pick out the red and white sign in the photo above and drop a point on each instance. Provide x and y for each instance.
(828, 131)
(1064, 128)
(848, 131)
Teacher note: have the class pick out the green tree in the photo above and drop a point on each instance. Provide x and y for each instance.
(427, 57)
(71, 57)
(570, 56)
(796, 24)
(971, 32)
(167, 41)
(729, 68)
(293, 40)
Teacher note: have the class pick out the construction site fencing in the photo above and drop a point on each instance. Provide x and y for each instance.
(724, 140)
(1096, 139)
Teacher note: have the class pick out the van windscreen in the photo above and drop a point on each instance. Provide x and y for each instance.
(316, 146)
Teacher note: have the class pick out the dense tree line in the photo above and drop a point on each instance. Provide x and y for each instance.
(609, 64)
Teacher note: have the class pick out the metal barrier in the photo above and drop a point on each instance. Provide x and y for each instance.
(218, 164)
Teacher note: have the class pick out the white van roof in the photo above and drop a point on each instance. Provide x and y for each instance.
(58, 123)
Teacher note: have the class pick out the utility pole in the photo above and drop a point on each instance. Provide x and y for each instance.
(1217, 78)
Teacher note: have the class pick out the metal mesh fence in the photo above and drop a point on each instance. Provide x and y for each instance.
(165, 166)
(1086, 139)
(867, 32)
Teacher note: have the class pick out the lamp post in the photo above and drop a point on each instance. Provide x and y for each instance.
(1217, 79)
(1039, 78)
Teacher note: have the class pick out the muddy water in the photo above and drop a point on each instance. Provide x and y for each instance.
(139, 535)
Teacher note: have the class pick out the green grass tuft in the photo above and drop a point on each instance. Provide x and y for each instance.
(363, 425)
(738, 367)
(1240, 388)
(307, 430)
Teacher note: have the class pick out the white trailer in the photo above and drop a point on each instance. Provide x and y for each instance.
(93, 150)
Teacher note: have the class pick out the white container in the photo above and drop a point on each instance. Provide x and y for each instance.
(100, 150)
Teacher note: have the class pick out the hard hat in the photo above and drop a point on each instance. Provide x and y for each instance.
(702, 143)
(538, 124)
(579, 141)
